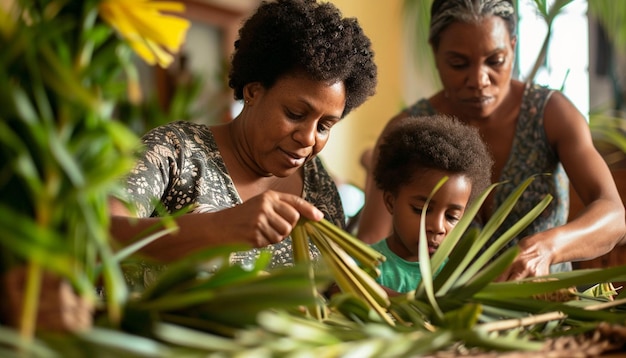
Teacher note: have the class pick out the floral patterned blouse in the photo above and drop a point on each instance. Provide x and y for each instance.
(531, 154)
(182, 168)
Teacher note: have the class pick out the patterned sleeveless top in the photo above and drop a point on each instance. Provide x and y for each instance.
(530, 155)
(182, 167)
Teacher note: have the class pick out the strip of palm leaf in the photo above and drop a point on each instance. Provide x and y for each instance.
(352, 263)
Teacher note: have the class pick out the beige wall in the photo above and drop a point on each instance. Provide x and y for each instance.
(381, 21)
(398, 84)
(5, 3)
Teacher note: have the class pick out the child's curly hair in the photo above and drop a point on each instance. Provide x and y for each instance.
(432, 142)
(286, 36)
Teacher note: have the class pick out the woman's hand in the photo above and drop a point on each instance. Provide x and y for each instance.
(262, 220)
(534, 259)
(266, 218)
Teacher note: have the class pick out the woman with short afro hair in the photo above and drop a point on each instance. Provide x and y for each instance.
(286, 35)
(299, 67)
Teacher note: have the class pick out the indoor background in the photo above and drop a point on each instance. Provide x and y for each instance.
(404, 75)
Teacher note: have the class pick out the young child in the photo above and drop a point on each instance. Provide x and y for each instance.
(412, 160)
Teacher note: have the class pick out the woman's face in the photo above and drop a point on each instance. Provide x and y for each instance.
(443, 213)
(475, 61)
(289, 123)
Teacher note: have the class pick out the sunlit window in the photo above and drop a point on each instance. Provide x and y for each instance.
(567, 62)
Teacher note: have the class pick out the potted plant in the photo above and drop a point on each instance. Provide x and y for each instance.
(64, 66)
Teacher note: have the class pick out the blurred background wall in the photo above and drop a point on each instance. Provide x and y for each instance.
(404, 75)
(381, 21)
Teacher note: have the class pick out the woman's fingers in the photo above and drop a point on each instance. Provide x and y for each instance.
(276, 215)
(303, 207)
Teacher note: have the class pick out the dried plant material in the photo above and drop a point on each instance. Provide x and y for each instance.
(562, 295)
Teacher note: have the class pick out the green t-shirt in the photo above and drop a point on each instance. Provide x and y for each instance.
(396, 273)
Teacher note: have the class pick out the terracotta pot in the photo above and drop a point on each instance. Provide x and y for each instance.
(60, 308)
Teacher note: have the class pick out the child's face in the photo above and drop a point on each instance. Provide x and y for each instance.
(444, 211)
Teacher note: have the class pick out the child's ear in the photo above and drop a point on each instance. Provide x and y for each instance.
(389, 200)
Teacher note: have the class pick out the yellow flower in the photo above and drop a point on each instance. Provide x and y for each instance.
(153, 35)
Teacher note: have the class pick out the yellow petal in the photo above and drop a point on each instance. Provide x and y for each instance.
(115, 16)
(169, 6)
(143, 51)
(149, 32)
(168, 31)
(163, 58)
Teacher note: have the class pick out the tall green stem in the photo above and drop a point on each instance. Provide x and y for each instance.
(34, 271)
(541, 57)
(28, 322)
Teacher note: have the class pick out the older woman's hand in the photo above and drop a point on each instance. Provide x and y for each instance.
(534, 259)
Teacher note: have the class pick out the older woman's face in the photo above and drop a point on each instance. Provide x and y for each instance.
(475, 62)
(290, 122)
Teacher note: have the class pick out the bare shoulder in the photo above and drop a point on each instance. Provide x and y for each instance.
(562, 120)
(561, 108)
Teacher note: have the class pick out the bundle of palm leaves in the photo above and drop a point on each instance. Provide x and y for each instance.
(61, 155)
(229, 311)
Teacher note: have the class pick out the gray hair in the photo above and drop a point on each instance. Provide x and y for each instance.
(446, 12)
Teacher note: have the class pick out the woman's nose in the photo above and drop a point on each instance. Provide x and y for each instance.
(305, 133)
(478, 78)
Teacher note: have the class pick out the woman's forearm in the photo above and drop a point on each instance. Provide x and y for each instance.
(175, 242)
(594, 232)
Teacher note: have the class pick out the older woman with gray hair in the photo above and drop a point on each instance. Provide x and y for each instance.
(529, 129)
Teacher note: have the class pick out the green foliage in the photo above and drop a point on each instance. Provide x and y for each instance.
(61, 152)
(609, 134)
(150, 113)
(202, 306)
(462, 305)
(612, 15)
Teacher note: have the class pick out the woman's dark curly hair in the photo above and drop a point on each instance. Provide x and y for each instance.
(432, 142)
(286, 36)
